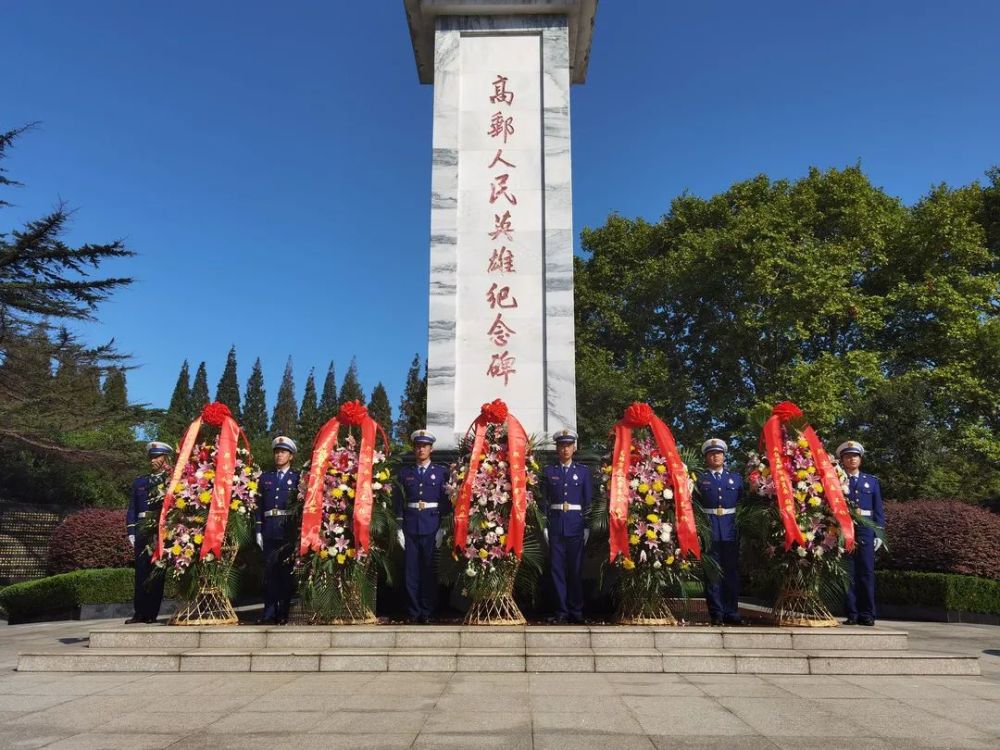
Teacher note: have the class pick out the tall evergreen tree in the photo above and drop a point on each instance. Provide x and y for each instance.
(199, 390)
(180, 401)
(285, 417)
(328, 403)
(255, 404)
(350, 389)
(309, 423)
(228, 390)
(413, 402)
(114, 392)
(380, 409)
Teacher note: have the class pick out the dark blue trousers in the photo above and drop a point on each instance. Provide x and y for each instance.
(148, 587)
(278, 583)
(420, 575)
(566, 563)
(860, 601)
(722, 595)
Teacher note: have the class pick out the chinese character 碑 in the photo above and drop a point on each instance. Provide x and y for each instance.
(502, 366)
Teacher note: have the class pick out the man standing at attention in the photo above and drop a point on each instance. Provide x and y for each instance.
(865, 498)
(275, 536)
(720, 492)
(148, 589)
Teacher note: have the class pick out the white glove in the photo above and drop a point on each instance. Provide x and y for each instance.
(260, 540)
(439, 537)
(878, 544)
(586, 535)
(401, 539)
(131, 539)
(545, 533)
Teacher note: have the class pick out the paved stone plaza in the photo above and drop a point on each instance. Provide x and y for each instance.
(136, 711)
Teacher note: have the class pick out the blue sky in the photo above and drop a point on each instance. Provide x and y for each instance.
(270, 162)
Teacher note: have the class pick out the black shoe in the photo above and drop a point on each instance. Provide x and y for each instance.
(133, 620)
(266, 621)
(734, 620)
(851, 621)
(423, 620)
(558, 620)
(281, 621)
(716, 620)
(150, 621)
(576, 619)
(866, 621)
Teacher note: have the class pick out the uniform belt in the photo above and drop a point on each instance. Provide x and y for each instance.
(277, 512)
(565, 506)
(719, 511)
(421, 505)
(864, 512)
(143, 514)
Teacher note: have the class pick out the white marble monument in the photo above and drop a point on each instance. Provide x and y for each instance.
(501, 286)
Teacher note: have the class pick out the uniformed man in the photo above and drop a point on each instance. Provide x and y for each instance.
(276, 533)
(720, 492)
(148, 588)
(566, 495)
(421, 499)
(865, 497)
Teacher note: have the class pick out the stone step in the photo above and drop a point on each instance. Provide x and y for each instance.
(524, 637)
(544, 659)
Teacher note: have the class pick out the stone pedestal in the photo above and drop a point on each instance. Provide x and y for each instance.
(501, 288)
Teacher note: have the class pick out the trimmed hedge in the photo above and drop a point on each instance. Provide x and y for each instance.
(92, 538)
(59, 593)
(944, 536)
(954, 592)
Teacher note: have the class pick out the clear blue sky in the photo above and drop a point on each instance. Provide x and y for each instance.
(270, 161)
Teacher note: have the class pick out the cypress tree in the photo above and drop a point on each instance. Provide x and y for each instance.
(350, 389)
(413, 403)
(309, 423)
(286, 412)
(199, 390)
(328, 403)
(228, 390)
(114, 392)
(255, 404)
(180, 409)
(380, 409)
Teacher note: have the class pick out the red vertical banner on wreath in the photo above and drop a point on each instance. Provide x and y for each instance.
(363, 496)
(687, 532)
(774, 443)
(465, 493)
(312, 509)
(832, 490)
(619, 494)
(187, 445)
(222, 488)
(517, 448)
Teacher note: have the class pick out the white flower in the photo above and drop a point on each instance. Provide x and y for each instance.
(665, 536)
(668, 494)
(802, 551)
(811, 536)
(634, 484)
(818, 551)
(470, 571)
(338, 529)
(657, 565)
(499, 530)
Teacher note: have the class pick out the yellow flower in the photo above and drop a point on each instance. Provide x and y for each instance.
(341, 558)
(606, 469)
(643, 488)
(181, 503)
(653, 518)
(235, 505)
(661, 469)
(188, 552)
(198, 538)
(483, 524)
(803, 443)
(323, 554)
(800, 496)
(503, 539)
(802, 473)
(209, 474)
(350, 553)
(650, 499)
(818, 488)
(483, 554)
(176, 549)
(337, 492)
(383, 475)
(658, 485)
(247, 470)
(650, 534)
(628, 564)
(350, 493)
(633, 540)
(812, 469)
(252, 486)
(205, 497)
(179, 487)
(814, 502)
(670, 560)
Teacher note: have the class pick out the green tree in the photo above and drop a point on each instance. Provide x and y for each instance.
(413, 403)
(380, 409)
(328, 404)
(350, 389)
(114, 391)
(309, 423)
(228, 390)
(255, 404)
(199, 389)
(285, 417)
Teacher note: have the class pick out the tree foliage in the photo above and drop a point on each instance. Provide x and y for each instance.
(199, 390)
(328, 404)
(309, 423)
(413, 403)
(879, 319)
(380, 409)
(255, 404)
(350, 389)
(284, 419)
(228, 390)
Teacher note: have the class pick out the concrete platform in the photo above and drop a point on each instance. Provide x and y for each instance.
(404, 648)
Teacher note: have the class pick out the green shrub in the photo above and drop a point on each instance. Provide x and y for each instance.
(67, 590)
(947, 590)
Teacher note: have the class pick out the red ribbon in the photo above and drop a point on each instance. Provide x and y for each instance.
(642, 415)
(187, 444)
(351, 413)
(832, 490)
(517, 449)
(774, 441)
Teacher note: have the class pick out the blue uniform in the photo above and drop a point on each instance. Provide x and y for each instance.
(719, 496)
(421, 499)
(865, 495)
(567, 492)
(274, 524)
(148, 588)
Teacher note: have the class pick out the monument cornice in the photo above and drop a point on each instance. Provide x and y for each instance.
(422, 15)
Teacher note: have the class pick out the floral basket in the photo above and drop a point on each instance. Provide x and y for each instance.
(809, 529)
(492, 488)
(206, 515)
(653, 534)
(343, 539)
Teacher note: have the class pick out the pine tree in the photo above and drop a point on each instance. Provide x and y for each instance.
(350, 389)
(255, 404)
(413, 403)
(114, 392)
(380, 409)
(328, 403)
(180, 408)
(199, 390)
(228, 390)
(286, 411)
(309, 423)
